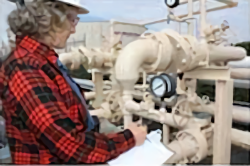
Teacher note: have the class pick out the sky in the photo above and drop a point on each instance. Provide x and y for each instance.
(149, 10)
(124, 9)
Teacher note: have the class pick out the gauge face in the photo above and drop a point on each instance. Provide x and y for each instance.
(171, 2)
(158, 86)
(168, 82)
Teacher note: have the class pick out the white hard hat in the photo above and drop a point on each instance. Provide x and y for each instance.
(76, 3)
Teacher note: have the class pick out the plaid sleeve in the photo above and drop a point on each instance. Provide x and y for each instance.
(44, 112)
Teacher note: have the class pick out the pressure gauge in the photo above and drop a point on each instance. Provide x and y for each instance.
(172, 3)
(163, 86)
(158, 86)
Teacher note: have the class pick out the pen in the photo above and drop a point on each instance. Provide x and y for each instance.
(148, 140)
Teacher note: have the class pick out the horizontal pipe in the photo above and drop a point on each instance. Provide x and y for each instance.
(240, 73)
(225, 54)
(240, 114)
(181, 2)
(188, 149)
(103, 112)
(239, 138)
(161, 117)
(210, 10)
(245, 63)
(244, 84)
(91, 95)
(227, 2)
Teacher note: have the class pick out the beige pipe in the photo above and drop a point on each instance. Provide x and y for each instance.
(225, 54)
(165, 134)
(167, 118)
(190, 15)
(203, 18)
(244, 63)
(67, 58)
(103, 112)
(127, 68)
(240, 138)
(240, 114)
(188, 149)
(131, 59)
(91, 95)
(161, 117)
(189, 145)
(243, 74)
(127, 118)
(98, 112)
(185, 148)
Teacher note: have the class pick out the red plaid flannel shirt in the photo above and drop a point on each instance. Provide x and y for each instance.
(45, 121)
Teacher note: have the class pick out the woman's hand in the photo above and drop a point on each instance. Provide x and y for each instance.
(139, 132)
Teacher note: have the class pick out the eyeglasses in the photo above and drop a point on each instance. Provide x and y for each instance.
(74, 21)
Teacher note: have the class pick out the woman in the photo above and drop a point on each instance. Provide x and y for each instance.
(46, 118)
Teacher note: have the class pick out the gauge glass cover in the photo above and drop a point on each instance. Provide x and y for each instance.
(158, 87)
(171, 2)
(168, 82)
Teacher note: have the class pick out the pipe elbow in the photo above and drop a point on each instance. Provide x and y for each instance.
(132, 57)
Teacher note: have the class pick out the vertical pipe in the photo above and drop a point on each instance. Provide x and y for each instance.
(165, 128)
(144, 79)
(111, 31)
(190, 15)
(223, 122)
(128, 117)
(166, 134)
(249, 16)
(203, 16)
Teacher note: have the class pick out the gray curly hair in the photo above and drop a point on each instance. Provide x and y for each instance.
(37, 17)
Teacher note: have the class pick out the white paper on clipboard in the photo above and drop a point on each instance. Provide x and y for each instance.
(151, 153)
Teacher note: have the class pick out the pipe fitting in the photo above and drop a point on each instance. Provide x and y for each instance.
(201, 143)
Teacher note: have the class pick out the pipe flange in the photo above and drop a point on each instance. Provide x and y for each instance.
(165, 47)
(201, 142)
(180, 137)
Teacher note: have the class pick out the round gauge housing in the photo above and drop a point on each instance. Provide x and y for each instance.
(163, 86)
(158, 86)
(171, 85)
(172, 3)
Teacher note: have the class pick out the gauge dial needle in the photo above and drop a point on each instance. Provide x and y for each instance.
(158, 86)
